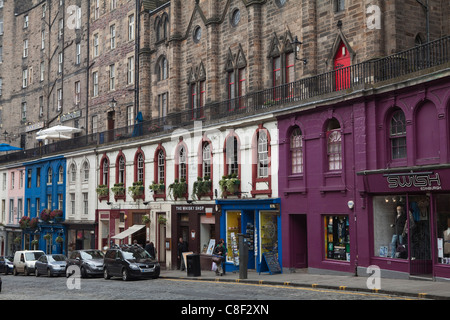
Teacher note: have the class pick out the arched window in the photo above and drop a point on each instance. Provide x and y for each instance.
(334, 145)
(60, 174)
(85, 172)
(49, 176)
(104, 171)
(182, 164)
(232, 156)
(139, 170)
(120, 169)
(73, 173)
(397, 135)
(263, 155)
(162, 69)
(206, 160)
(296, 146)
(161, 166)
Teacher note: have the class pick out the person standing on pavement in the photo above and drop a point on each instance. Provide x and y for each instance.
(221, 251)
(182, 247)
(150, 248)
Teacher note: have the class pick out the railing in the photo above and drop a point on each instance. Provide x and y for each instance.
(367, 73)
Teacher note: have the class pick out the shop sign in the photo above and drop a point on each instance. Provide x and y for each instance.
(423, 181)
(190, 208)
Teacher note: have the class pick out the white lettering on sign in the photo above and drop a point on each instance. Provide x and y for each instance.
(423, 182)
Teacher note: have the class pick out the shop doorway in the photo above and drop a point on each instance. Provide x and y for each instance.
(299, 240)
(419, 236)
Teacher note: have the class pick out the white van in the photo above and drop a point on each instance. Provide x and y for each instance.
(24, 261)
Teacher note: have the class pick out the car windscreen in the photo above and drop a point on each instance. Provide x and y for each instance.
(33, 255)
(89, 255)
(136, 255)
(56, 257)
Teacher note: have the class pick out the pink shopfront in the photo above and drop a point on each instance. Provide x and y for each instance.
(410, 210)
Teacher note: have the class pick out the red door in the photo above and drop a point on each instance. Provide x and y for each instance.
(342, 67)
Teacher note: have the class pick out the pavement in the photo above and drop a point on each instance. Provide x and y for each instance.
(424, 289)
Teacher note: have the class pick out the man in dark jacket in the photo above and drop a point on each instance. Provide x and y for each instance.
(182, 247)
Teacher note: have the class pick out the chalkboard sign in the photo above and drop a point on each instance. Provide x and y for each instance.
(270, 263)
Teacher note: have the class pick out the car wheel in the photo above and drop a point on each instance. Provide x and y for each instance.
(36, 273)
(27, 273)
(125, 275)
(106, 274)
(15, 271)
(49, 273)
(83, 273)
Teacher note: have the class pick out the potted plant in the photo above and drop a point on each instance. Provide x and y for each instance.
(178, 189)
(24, 222)
(202, 187)
(45, 215)
(102, 191)
(229, 184)
(136, 190)
(118, 190)
(59, 239)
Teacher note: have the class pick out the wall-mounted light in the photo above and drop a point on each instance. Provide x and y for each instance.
(350, 204)
(297, 43)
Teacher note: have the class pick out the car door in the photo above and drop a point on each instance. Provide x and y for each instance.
(21, 263)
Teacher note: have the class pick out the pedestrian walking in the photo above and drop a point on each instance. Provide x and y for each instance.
(221, 252)
(182, 247)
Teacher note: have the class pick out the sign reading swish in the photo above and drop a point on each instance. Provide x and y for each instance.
(422, 180)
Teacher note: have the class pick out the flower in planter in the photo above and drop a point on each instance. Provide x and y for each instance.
(229, 184)
(34, 243)
(47, 236)
(145, 219)
(59, 239)
(118, 189)
(137, 189)
(178, 189)
(162, 220)
(102, 190)
(202, 187)
(157, 187)
(45, 215)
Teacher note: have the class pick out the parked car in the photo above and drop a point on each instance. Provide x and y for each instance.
(6, 264)
(24, 261)
(51, 264)
(130, 262)
(89, 261)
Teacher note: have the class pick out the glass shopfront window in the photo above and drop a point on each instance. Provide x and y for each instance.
(443, 228)
(392, 215)
(337, 237)
(269, 232)
(233, 229)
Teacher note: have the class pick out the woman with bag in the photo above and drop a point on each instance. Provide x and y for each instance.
(220, 252)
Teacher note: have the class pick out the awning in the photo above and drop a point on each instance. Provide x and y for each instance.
(128, 232)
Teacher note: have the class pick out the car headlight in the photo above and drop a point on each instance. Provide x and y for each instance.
(134, 267)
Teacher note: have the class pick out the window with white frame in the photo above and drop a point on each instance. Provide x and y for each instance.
(25, 21)
(131, 27)
(86, 171)
(25, 78)
(112, 77)
(60, 174)
(60, 62)
(182, 164)
(77, 93)
(43, 39)
(85, 203)
(130, 70)
(72, 204)
(206, 160)
(60, 98)
(24, 111)
(78, 53)
(60, 201)
(49, 176)
(161, 166)
(263, 155)
(73, 173)
(42, 71)
(96, 45)
(140, 167)
(397, 135)
(95, 84)
(112, 34)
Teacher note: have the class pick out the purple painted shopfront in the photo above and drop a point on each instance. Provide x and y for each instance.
(366, 181)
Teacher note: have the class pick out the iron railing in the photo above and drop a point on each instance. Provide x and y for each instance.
(369, 73)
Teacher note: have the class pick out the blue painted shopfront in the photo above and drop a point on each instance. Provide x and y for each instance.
(45, 190)
(260, 220)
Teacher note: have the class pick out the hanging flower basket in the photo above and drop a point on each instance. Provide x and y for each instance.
(145, 219)
(229, 184)
(59, 239)
(56, 215)
(45, 215)
(178, 189)
(34, 243)
(47, 236)
(162, 220)
(24, 222)
(17, 240)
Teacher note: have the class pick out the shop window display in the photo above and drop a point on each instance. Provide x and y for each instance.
(443, 228)
(401, 226)
(337, 237)
(233, 229)
(269, 233)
